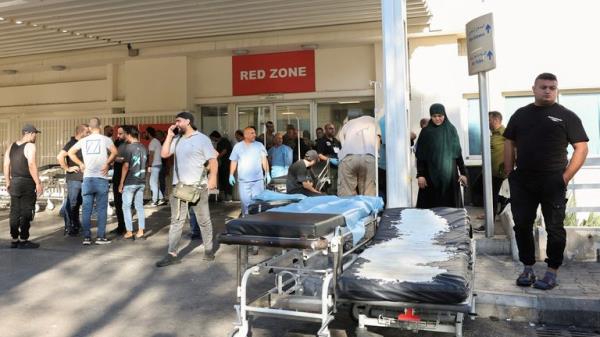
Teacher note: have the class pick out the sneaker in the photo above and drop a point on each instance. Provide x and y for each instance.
(87, 241)
(102, 241)
(162, 202)
(168, 260)
(28, 245)
(15, 244)
(527, 278)
(208, 257)
(547, 283)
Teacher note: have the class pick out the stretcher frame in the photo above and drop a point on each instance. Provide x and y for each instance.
(286, 299)
(446, 318)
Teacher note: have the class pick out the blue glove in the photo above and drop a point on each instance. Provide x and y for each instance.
(231, 180)
(267, 178)
(334, 161)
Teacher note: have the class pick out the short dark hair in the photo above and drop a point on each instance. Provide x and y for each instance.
(269, 122)
(151, 131)
(319, 128)
(215, 134)
(546, 76)
(496, 114)
(239, 133)
(131, 130)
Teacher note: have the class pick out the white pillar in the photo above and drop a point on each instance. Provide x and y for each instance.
(397, 135)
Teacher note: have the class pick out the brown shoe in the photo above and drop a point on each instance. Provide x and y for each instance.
(139, 234)
(128, 236)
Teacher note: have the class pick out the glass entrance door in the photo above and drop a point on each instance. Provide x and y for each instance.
(297, 115)
(253, 115)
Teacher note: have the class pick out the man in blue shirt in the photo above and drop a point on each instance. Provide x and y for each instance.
(280, 157)
(249, 158)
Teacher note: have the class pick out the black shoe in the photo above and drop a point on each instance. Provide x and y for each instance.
(526, 279)
(479, 229)
(167, 261)
(102, 241)
(208, 257)
(15, 244)
(118, 231)
(87, 241)
(28, 245)
(73, 233)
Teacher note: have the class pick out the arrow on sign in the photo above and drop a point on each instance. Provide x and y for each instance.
(488, 28)
(490, 54)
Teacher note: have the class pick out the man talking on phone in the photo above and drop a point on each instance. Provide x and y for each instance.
(192, 150)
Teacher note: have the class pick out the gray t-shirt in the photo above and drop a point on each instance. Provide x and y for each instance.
(95, 149)
(191, 155)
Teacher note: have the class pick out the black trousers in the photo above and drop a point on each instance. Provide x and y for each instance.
(22, 207)
(496, 184)
(118, 199)
(527, 191)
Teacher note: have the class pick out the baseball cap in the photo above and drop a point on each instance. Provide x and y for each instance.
(186, 115)
(311, 155)
(28, 128)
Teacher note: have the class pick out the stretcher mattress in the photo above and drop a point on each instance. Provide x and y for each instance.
(286, 225)
(416, 256)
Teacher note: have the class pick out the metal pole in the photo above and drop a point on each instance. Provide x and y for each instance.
(486, 167)
(298, 133)
(397, 138)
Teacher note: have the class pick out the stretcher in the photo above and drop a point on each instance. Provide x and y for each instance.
(315, 243)
(53, 180)
(416, 273)
(412, 270)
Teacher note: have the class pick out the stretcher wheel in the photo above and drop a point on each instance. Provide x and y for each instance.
(357, 309)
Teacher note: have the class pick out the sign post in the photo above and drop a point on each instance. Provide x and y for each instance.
(482, 57)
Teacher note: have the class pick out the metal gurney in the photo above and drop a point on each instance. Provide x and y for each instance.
(416, 274)
(317, 237)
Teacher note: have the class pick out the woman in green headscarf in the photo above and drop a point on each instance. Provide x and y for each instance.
(440, 166)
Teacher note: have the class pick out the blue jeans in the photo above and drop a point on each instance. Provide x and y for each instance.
(155, 184)
(248, 190)
(71, 205)
(133, 194)
(94, 190)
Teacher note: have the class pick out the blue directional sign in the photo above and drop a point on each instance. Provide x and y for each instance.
(480, 44)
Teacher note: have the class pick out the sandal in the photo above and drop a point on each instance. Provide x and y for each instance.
(139, 234)
(128, 236)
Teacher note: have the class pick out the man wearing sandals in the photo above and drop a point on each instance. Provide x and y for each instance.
(538, 135)
(192, 150)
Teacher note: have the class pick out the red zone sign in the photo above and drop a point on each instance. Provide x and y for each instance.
(274, 73)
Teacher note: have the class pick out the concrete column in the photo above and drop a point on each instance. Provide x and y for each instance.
(397, 133)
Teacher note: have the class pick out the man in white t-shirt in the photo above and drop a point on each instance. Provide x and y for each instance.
(357, 169)
(155, 164)
(98, 153)
(192, 150)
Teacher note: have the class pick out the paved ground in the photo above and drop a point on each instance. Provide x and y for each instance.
(66, 289)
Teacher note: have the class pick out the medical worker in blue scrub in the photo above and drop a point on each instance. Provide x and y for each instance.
(249, 158)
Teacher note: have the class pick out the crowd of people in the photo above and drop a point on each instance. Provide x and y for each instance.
(540, 131)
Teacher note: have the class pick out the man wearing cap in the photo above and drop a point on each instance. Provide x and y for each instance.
(357, 169)
(192, 150)
(249, 158)
(22, 183)
(300, 179)
(95, 149)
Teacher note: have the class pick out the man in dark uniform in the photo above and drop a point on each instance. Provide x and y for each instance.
(23, 183)
(120, 144)
(328, 147)
(540, 133)
(300, 179)
(74, 179)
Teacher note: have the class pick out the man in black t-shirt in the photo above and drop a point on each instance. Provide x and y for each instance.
(538, 135)
(300, 179)
(133, 180)
(74, 179)
(224, 148)
(328, 147)
(120, 144)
